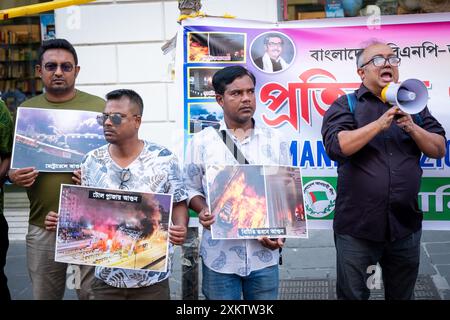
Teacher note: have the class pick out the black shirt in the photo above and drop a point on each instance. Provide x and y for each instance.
(378, 186)
(275, 65)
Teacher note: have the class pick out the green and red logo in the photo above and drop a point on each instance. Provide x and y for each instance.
(320, 198)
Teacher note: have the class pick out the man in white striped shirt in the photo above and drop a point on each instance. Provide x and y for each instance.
(234, 269)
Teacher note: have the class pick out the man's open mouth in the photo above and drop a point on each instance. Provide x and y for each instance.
(387, 76)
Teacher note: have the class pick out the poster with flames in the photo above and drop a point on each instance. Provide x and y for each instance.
(253, 201)
(318, 67)
(112, 228)
(54, 140)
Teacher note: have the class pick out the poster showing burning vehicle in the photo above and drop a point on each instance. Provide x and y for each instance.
(253, 201)
(113, 228)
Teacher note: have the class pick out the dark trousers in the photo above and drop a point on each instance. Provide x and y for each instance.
(4, 244)
(356, 258)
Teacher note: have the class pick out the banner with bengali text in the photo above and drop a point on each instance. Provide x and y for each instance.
(318, 66)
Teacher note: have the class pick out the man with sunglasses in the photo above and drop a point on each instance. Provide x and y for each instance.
(378, 149)
(58, 68)
(129, 163)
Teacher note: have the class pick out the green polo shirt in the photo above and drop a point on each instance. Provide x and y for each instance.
(44, 193)
(6, 139)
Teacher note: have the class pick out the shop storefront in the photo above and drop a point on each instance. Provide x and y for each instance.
(320, 9)
(20, 39)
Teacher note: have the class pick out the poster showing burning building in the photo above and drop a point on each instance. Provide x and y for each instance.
(200, 82)
(253, 201)
(217, 47)
(54, 140)
(112, 228)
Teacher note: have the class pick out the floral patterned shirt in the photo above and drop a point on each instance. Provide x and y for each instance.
(154, 170)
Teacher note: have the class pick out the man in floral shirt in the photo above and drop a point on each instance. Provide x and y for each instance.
(129, 163)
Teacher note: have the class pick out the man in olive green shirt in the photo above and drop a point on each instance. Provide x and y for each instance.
(6, 134)
(58, 68)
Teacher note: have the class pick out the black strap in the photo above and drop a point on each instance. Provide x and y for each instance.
(231, 145)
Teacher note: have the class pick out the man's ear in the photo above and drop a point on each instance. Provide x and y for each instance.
(138, 122)
(77, 70)
(219, 99)
(38, 70)
(361, 73)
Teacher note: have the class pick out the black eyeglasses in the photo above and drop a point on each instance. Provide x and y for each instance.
(52, 66)
(379, 61)
(125, 175)
(116, 118)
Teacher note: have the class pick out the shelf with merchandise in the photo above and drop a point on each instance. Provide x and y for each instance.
(317, 9)
(26, 87)
(20, 39)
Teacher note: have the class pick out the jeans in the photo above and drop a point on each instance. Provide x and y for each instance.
(258, 285)
(356, 258)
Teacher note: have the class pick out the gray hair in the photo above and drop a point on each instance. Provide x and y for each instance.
(364, 46)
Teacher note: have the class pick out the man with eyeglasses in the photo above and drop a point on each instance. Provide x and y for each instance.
(129, 163)
(58, 68)
(378, 149)
(272, 61)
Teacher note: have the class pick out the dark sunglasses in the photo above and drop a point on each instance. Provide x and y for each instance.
(116, 118)
(52, 66)
(125, 175)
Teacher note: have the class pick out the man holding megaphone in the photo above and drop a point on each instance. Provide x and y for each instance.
(377, 137)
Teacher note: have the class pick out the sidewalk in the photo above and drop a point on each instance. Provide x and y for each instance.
(314, 260)
(308, 269)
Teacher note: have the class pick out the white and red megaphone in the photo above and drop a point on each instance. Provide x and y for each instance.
(411, 95)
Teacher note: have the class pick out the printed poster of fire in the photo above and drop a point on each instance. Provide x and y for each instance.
(317, 65)
(253, 201)
(112, 228)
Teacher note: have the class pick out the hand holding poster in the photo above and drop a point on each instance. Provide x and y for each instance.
(253, 201)
(112, 228)
(54, 140)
